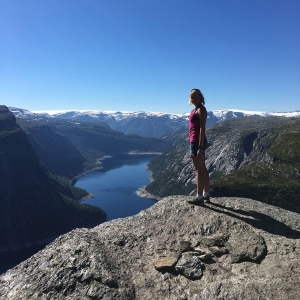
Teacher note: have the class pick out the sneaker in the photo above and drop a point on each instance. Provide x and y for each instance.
(196, 201)
(206, 199)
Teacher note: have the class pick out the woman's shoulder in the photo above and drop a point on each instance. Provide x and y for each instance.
(201, 110)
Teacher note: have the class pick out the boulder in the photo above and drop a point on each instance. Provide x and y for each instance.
(250, 247)
(189, 266)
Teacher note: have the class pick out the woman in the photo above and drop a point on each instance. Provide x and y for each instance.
(198, 142)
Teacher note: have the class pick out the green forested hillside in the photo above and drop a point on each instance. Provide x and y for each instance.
(275, 181)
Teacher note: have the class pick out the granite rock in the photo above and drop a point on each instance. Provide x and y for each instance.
(218, 251)
(165, 263)
(243, 247)
(189, 266)
(116, 260)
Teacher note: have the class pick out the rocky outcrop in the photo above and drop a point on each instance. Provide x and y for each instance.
(233, 248)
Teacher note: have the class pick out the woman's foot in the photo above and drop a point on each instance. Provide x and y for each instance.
(206, 199)
(197, 201)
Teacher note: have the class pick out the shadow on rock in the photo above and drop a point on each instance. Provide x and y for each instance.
(257, 220)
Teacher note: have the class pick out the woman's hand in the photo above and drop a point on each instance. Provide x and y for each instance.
(200, 152)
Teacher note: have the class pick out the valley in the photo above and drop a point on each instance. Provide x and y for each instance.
(106, 108)
(39, 160)
(41, 157)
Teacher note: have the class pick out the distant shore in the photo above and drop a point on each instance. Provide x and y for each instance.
(98, 163)
(136, 152)
(143, 193)
(98, 166)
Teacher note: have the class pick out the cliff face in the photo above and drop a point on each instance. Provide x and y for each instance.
(33, 206)
(249, 157)
(232, 248)
(56, 151)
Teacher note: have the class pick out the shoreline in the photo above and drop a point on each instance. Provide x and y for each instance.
(151, 173)
(141, 192)
(143, 153)
(88, 196)
(98, 166)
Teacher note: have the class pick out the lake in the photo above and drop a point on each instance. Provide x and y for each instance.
(115, 186)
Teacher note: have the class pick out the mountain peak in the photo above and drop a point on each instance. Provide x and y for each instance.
(7, 118)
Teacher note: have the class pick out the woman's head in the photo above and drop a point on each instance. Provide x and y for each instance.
(196, 97)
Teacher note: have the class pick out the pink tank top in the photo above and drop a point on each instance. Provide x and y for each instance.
(194, 126)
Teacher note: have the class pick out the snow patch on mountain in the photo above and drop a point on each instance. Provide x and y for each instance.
(144, 123)
(235, 113)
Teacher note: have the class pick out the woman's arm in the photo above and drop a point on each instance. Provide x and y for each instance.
(202, 114)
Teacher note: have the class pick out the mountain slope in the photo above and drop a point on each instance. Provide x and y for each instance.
(277, 179)
(34, 206)
(261, 154)
(68, 148)
(55, 150)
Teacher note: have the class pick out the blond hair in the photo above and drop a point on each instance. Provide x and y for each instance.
(198, 93)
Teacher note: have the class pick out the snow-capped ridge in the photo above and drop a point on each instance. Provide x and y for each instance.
(95, 113)
(144, 123)
(256, 113)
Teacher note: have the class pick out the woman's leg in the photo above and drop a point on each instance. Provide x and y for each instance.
(202, 176)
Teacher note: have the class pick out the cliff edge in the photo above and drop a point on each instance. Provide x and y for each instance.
(233, 248)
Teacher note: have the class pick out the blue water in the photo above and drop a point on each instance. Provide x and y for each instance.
(115, 186)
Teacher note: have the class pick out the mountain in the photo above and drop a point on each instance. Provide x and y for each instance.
(153, 124)
(69, 148)
(249, 157)
(55, 150)
(234, 248)
(35, 206)
(139, 123)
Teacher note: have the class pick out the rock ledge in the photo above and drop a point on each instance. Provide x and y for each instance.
(233, 248)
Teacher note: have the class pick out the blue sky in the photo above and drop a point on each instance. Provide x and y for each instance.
(146, 55)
